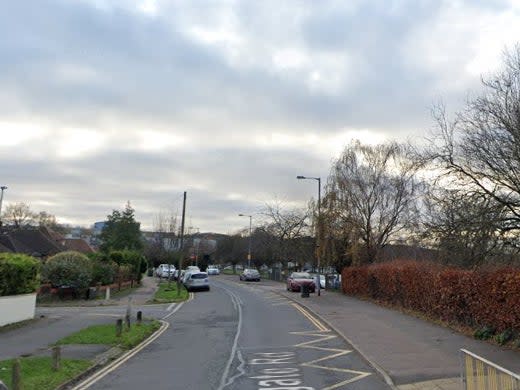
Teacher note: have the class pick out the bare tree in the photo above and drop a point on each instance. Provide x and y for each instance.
(463, 226)
(19, 215)
(373, 190)
(480, 148)
(288, 226)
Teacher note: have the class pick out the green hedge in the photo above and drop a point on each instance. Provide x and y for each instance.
(19, 274)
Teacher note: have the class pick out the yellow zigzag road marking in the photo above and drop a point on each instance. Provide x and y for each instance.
(336, 353)
(316, 323)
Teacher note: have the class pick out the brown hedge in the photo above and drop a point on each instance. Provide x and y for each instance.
(474, 298)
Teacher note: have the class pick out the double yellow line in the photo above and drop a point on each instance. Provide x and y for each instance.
(311, 318)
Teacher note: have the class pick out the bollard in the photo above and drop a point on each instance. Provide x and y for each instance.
(128, 313)
(56, 357)
(305, 291)
(17, 376)
(107, 293)
(127, 323)
(139, 317)
(119, 327)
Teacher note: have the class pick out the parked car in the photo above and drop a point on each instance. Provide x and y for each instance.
(322, 280)
(196, 280)
(296, 280)
(250, 274)
(165, 270)
(192, 268)
(213, 270)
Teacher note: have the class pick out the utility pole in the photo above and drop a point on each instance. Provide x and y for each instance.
(2, 188)
(182, 243)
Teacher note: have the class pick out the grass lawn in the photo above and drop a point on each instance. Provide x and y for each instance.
(169, 294)
(228, 272)
(37, 372)
(106, 334)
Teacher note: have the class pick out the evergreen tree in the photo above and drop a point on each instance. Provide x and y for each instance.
(122, 231)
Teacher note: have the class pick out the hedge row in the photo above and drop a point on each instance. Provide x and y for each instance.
(474, 298)
(19, 274)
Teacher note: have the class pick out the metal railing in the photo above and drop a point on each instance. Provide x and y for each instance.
(481, 374)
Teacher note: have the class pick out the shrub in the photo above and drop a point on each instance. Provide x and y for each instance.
(504, 337)
(103, 272)
(68, 269)
(484, 333)
(19, 274)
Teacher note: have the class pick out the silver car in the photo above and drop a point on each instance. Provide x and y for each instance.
(250, 274)
(196, 281)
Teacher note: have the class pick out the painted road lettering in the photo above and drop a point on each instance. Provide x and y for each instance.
(288, 377)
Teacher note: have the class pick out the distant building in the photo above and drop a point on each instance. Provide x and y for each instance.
(98, 228)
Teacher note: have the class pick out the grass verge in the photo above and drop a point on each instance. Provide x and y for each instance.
(229, 272)
(106, 334)
(37, 373)
(169, 293)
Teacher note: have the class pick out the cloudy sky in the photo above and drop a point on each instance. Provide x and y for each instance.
(107, 101)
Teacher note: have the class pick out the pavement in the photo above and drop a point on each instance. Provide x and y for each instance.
(409, 352)
(52, 323)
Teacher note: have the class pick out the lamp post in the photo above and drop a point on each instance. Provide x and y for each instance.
(249, 252)
(318, 225)
(2, 189)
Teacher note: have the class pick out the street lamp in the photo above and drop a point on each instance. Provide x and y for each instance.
(249, 252)
(2, 189)
(319, 225)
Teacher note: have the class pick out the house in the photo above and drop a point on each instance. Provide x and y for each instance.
(39, 242)
(31, 241)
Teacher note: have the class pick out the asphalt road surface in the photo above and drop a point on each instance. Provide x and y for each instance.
(242, 335)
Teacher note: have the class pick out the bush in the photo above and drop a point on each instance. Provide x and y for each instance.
(103, 272)
(481, 298)
(132, 260)
(19, 274)
(70, 268)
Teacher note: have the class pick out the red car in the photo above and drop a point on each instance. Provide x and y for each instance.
(298, 279)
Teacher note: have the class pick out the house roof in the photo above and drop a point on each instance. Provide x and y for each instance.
(79, 245)
(30, 241)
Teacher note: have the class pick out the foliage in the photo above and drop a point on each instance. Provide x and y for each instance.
(121, 231)
(484, 333)
(478, 298)
(463, 226)
(372, 191)
(477, 153)
(129, 262)
(19, 215)
(37, 372)
(504, 337)
(69, 268)
(103, 272)
(19, 274)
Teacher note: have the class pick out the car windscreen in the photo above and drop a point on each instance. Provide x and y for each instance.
(301, 275)
(199, 276)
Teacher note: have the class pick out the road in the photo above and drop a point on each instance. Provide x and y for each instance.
(243, 335)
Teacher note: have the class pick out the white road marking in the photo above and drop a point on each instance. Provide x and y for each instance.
(171, 306)
(237, 303)
(119, 361)
(128, 355)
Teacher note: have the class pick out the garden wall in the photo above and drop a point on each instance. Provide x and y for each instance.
(15, 308)
(473, 298)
